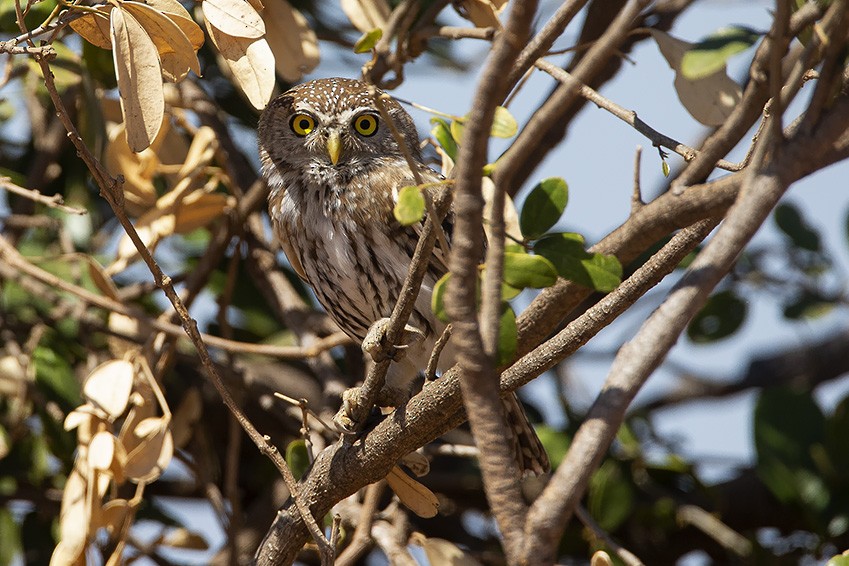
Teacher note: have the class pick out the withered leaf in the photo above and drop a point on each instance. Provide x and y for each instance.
(293, 42)
(176, 53)
(415, 496)
(250, 61)
(366, 14)
(233, 17)
(108, 387)
(139, 79)
(94, 28)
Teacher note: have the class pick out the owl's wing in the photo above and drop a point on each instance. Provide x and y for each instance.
(283, 235)
(293, 258)
(439, 258)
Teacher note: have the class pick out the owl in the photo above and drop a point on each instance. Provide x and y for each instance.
(334, 170)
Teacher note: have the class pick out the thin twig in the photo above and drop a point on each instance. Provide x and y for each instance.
(628, 116)
(714, 528)
(111, 190)
(637, 194)
(56, 201)
(499, 466)
(361, 540)
(438, 346)
(12, 257)
(623, 553)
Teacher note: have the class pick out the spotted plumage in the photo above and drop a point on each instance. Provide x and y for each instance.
(334, 170)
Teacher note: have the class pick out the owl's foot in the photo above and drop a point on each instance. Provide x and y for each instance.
(345, 417)
(375, 344)
(350, 412)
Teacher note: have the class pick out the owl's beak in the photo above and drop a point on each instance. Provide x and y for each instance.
(334, 146)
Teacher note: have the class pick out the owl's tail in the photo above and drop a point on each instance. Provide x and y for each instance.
(529, 450)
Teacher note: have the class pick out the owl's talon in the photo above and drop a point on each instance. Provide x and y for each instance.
(344, 418)
(375, 345)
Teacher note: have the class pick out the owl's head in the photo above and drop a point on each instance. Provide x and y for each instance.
(331, 122)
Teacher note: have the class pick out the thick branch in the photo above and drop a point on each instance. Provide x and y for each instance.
(479, 380)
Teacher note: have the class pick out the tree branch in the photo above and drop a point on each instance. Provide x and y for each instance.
(478, 378)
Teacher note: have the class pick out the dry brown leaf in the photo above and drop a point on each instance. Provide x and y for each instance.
(200, 152)
(417, 463)
(108, 387)
(416, 497)
(101, 279)
(293, 42)
(185, 417)
(199, 209)
(122, 324)
(94, 28)
(184, 538)
(138, 169)
(711, 99)
(113, 514)
(101, 451)
(176, 53)
(367, 14)
(73, 522)
(170, 7)
(142, 407)
(441, 551)
(150, 458)
(139, 79)
(13, 377)
(601, 558)
(152, 226)
(511, 216)
(175, 212)
(484, 13)
(87, 420)
(180, 16)
(233, 17)
(251, 63)
(190, 28)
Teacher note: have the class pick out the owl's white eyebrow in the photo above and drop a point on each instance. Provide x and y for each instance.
(342, 117)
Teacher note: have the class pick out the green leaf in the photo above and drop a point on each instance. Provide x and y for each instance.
(555, 442)
(56, 376)
(566, 251)
(787, 425)
(506, 335)
(837, 431)
(839, 560)
(710, 54)
(456, 128)
(410, 207)
(441, 132)
(664, 167)
(722, 316)
(807, 306)
(611, 498)
(790, 221)
(297, 458)
(503, 124)
(368, 40)
(509, 292)
(523, 270)
(10, 538)
(543, 207)
(437, 299)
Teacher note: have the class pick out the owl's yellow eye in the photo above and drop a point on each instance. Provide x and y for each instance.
(365, 124)
(302, 124)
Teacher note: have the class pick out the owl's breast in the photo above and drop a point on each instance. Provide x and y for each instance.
(355, 260)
